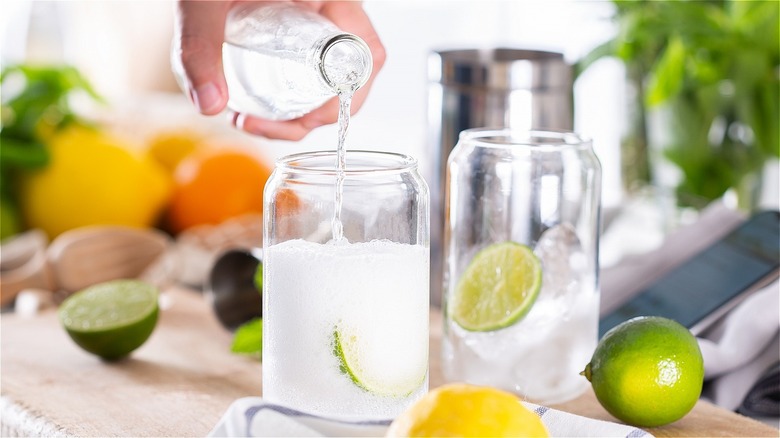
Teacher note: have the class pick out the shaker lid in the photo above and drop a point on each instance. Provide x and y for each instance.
(500, 69)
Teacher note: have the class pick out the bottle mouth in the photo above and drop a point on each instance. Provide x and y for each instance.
(346, 62)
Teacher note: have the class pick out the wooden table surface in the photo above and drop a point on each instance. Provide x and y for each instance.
(184, 378)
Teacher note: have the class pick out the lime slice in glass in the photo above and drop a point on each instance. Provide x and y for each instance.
(111, 319)
(498, 287)
(376, 367)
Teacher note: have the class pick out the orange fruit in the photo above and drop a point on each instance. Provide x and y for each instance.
(216, 184)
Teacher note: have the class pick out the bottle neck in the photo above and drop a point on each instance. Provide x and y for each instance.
(344, 61)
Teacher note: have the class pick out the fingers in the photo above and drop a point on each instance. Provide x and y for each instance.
(292, 130)
(348, 16)
(200, 33)
(314, 5)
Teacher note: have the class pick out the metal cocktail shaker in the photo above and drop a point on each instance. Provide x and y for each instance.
(472, 88)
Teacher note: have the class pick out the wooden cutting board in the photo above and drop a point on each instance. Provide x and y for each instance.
(184, 378)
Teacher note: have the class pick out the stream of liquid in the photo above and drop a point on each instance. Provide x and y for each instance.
(345, 102)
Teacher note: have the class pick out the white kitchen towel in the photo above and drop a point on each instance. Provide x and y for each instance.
(742, 347)
(253, 417)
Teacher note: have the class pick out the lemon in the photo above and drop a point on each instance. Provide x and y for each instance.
(498, 287)
(169, 148)
(111, 319)
(647, 371)
(378, 368)
(464, 410)
(92, 179)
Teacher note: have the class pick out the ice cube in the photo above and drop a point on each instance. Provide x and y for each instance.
(563, 265)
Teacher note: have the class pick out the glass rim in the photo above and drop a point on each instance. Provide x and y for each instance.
(536, 138)
(388, 163)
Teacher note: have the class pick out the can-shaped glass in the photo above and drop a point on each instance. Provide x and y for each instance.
(521, 254)
(345, 320)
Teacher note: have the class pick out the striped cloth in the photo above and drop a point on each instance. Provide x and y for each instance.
(253, 417)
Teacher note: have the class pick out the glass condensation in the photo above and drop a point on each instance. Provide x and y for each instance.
(540, 189)
(345, 322)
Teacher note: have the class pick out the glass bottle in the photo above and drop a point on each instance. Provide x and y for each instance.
(282, 61)
(345, 321)
(541, 190)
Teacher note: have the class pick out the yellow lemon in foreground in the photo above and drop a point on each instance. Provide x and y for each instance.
(93, 178)
(466, 410)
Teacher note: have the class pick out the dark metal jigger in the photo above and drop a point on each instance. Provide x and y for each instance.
(231, 286)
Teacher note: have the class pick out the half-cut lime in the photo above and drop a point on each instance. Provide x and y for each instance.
(376, 367)
(498, 287)
(111, 319)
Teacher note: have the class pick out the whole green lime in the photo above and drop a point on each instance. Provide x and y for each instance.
(111, 319)
(647, 371)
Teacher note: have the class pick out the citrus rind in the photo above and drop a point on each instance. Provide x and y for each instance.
(111, 319)
(398, 379)
(498, 288)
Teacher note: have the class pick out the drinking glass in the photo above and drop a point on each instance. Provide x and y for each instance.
(345, 321)
(538, 194)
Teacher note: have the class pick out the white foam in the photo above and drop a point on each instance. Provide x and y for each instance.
(378, 289)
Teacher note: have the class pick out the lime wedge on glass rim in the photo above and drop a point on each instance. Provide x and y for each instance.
(377, 368)
(111, 319)
(498, 287)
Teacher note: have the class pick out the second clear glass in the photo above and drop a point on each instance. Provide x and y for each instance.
(537, 190)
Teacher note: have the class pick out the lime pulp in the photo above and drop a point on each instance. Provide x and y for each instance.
(384, 379)
(111, 319)
(498, 288)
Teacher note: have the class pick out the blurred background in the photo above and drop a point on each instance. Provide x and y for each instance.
(681, 99)
(631, 76)
(122, 48)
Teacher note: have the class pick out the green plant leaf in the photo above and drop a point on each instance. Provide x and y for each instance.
(248, 338)
(43, 97)
(34, 106)
(667, 77)
(603, 50)
(713, 65)
(258, 279)
(757, 22)
(23, 154)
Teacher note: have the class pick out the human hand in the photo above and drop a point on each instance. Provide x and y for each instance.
(199, 34)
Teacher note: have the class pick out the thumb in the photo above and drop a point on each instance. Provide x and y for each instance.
(199, 33)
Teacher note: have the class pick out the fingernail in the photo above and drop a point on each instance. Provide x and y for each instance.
(207, 98)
